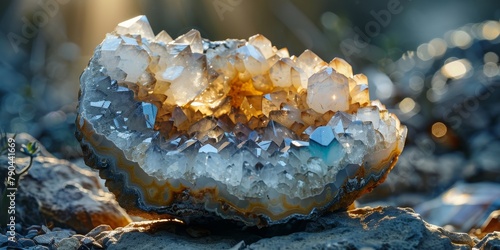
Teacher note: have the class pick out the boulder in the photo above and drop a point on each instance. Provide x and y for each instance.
(59, 192)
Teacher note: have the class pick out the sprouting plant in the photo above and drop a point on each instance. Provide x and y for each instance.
(12, 178)
(31, 150)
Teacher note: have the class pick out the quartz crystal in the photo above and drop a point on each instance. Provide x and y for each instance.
(230, 129)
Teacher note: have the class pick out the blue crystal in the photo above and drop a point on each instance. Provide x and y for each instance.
(323, 135)
(150, 112)
(331, 154)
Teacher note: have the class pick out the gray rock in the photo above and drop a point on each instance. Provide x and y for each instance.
(240, 246)
(101, 228)
(490, 241)
(369, 228)
(45, 229)
(52, 237)
(57, 191)
(44, 239)
(90, 242)
(68, 244)
(165, 240)
(3, 239)
(27, 242)
(79, 237)
(365, 228)
(31, 233)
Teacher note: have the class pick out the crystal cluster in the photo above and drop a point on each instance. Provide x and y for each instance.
(237, 129)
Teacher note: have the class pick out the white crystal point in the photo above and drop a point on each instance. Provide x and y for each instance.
(186, 68)
(369, 114)
(283, 53)
(164, 37)
(193, 39)
(138, 25)
(299, 78)
(252, 58)
(360, 79)
(310, 63)
(133, 62)
(263, 44)
(341, 66)
(328, 90)
(340, 121)
(281, 73)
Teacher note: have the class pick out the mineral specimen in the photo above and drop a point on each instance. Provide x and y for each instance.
(229, 129)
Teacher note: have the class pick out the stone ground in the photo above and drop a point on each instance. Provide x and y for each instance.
(363, 228)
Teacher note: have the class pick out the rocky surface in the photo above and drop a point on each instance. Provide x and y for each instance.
(490, 241)
(365, 228)
(370, 228)
(57, 192)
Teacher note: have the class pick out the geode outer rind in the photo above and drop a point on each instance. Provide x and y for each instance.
(140, 125)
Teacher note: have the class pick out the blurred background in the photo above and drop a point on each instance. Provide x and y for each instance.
(433, 63)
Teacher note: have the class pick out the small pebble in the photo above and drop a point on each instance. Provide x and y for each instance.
(79, 237)
(33, 231)
(100, 237)
(34, 227)
(97, 230)
(87, 240)
(44, 239)
(68, 244)
(27, 242)
(3, 239)
(45, 229)
(31, 234)
(239, 246)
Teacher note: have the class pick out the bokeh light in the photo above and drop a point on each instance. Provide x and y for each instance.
(456, 69)
(439, 129)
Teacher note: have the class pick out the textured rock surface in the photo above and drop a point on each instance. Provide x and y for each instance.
(56, 191)
(237, 129)
(490, 242)
(366, 228)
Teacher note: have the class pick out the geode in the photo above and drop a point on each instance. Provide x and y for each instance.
(232, 129)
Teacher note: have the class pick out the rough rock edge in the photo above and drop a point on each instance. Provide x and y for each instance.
(37, 207)
(376, 228)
